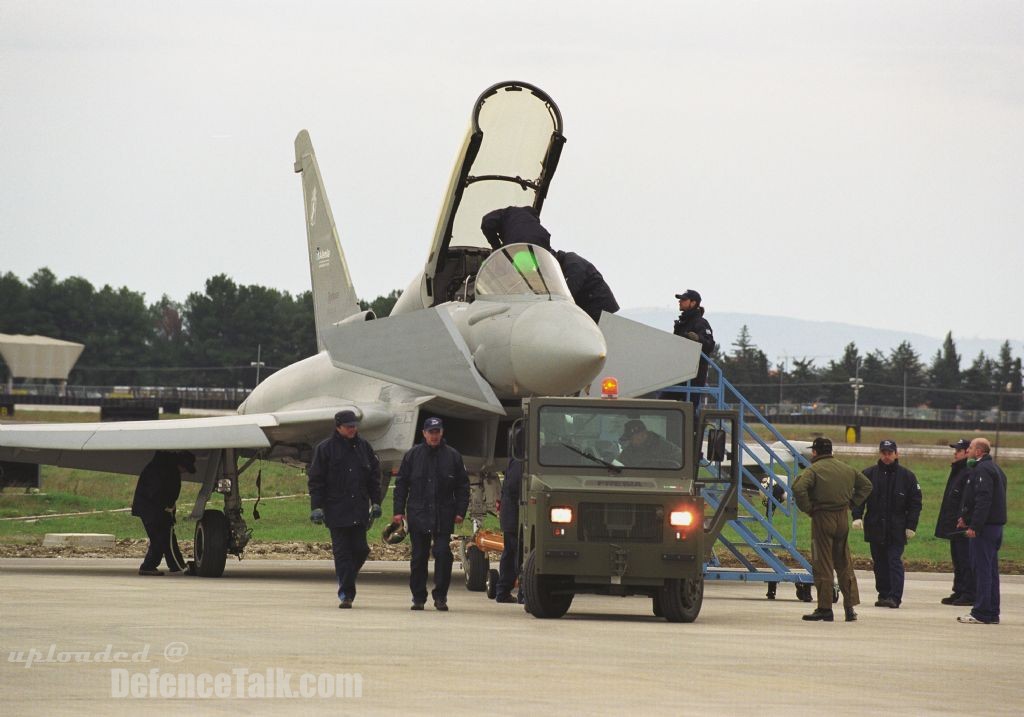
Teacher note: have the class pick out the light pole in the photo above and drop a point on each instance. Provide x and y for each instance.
(258, 364)
(856, 383)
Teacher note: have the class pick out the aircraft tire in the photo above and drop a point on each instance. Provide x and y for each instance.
(211, 544)
(656, 605)
(475, 568)
(681, 599)
(542, 600)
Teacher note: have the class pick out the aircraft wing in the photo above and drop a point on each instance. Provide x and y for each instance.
(126, 446)
(422, 350)
(644, 359)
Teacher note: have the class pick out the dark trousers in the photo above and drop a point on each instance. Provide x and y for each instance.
(421, 550)
(887, 562)
(963, 575)
(350, 552)
(163, 545)
(508, 567)
(985, 561)
(830, 533)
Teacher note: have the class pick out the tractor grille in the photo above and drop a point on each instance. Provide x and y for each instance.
(625, 522)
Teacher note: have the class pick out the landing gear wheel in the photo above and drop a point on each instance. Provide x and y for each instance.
(476, 568)
(656, 605)
(492, 584)
(211, 544)
(803, 592)
(547, 596)
(681, 598)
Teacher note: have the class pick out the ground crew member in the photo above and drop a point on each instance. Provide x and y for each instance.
(155, 495)
(515, 225)
(945, 528)
(983, 517)
(692, 325)
(508, 516)
(344, 493)
(826, 490)
(432, 494)
(889, 519)
(646, 449)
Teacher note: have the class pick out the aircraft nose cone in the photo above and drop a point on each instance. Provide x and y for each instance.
(556, 349)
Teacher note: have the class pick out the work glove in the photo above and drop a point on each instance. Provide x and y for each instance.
(458, 519)
(397, 518)
(317, 516)
(910, 533)
(858, 524)
(374, 512)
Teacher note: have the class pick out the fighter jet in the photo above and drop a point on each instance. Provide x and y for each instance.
(476, 331)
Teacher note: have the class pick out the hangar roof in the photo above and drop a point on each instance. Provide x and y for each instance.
(39, 356)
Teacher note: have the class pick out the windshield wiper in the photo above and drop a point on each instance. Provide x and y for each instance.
(606, 464)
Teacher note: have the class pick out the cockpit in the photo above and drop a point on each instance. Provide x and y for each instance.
(519, 269)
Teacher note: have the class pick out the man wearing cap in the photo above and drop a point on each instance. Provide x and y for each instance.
(644, 449)
(889, 519)
(982, 517)
(344, 493)
(155, 495)
(432, 495)
(692, 325)
(945, 528)
(826, 490)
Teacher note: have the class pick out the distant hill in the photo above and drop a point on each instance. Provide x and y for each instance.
(780, 336)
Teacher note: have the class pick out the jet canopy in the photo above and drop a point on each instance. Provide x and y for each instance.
(520, 269)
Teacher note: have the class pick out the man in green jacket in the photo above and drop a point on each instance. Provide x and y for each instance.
(827, 490)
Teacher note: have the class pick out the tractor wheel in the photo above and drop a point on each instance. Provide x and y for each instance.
(681, 598)
(547, 596)
(475, 568)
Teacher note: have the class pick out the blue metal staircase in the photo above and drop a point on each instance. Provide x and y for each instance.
(766, 551)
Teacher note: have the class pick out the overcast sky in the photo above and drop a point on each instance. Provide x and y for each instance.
(852, 161)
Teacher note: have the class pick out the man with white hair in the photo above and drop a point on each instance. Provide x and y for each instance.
(983, 517)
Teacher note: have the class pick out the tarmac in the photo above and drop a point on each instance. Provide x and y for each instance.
(91, 636)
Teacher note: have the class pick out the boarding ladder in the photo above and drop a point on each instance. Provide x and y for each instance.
(761, 502)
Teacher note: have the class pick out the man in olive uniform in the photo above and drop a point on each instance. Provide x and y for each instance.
(827, 490)
(344, 493)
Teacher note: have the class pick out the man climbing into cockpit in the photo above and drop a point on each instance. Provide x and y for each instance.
(521, 225)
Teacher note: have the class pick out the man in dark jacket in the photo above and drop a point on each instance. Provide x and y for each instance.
(515, 225)
(945, 528)
(344, 493)
(889, 519)
(826, 490)
(983, 517)
(508, 516)
(692, 325)
(155, 495)
(645, 449)
(432, 495)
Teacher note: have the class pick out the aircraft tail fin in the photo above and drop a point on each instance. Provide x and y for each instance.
(334, 297)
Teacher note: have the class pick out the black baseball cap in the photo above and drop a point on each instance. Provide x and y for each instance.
(962, 445)
(689, 294)
(433, 424)
(887, 445)
(187, 460)
(346, 418)
(822, 446)
(631, 427)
